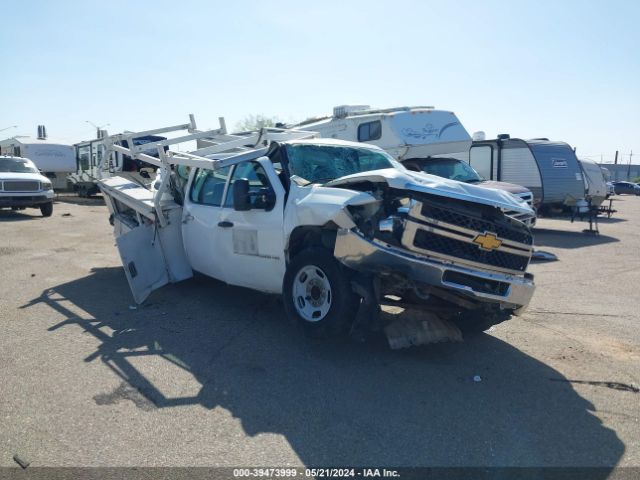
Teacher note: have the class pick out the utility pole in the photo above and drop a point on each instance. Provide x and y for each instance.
(629, 167)
(616, 160)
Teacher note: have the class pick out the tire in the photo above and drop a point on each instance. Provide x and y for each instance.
(330, 305)
(46, 209)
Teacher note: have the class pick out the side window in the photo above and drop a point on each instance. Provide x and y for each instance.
(481, 159)
(99, 151)
(208, 186)
(16, 151)
(259, 187)
(369, 131)
(83, 157)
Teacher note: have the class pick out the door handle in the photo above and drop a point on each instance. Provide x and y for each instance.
(187, 218)
(225, 224)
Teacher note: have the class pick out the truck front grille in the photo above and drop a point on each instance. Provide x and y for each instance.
(468, 251)
(523, 217)
(21, 186)
(476, 224)
(464, 237)
(527, 197)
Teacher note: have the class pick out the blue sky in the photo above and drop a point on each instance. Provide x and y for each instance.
(567, 70)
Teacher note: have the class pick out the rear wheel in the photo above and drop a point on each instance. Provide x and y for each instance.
(46, 209)
(317, 294)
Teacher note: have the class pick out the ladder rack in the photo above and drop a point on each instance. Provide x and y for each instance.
(221, 150)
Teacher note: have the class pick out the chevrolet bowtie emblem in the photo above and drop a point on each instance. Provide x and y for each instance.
(487, 241)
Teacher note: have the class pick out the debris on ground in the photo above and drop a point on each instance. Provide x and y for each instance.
(543, 256)
(67, 215)
(427, 328)
(24, 463)
(623, 387)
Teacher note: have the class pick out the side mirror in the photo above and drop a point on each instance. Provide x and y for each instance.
(241, 200)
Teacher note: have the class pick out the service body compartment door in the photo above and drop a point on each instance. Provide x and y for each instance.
(143, 261)
(151, 255)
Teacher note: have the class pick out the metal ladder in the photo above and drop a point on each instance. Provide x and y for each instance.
(230, 149)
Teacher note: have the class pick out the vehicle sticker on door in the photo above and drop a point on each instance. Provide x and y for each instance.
(245, 242)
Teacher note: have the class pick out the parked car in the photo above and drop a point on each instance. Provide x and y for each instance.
(611, 189)
(23, 186)
(455, 169)
(627, 188)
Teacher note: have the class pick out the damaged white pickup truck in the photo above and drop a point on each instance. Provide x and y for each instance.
(332, 226)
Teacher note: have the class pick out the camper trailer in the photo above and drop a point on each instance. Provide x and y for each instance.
(54, 159)
(549, 169)
(595, 182)
(404, 132)
(89, 157)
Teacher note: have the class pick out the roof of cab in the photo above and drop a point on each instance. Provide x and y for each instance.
(331, 141)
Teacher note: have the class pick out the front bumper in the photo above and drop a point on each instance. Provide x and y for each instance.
(359, 253)
(26, 199)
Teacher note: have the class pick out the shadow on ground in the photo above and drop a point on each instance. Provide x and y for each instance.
(76, 200)
(335, 402)
(546, 237)
(19, 215)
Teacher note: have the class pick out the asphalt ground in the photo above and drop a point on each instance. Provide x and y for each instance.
(207, 374)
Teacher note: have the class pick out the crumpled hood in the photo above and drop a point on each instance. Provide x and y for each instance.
(443, 187)
(23, 176)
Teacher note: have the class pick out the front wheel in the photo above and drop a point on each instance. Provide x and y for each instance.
(46, 209)
(317, 294)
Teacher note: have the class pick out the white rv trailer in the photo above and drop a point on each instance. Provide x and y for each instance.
(404, 132)
(54, 159)
(595, 182)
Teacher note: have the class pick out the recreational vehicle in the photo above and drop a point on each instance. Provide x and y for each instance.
(89, 157)
(54, 159)
(595, 182)
(549, 169)
(404, 132)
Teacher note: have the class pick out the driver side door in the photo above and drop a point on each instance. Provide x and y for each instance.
(252, 241)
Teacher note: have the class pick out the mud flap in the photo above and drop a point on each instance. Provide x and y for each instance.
(143, 261)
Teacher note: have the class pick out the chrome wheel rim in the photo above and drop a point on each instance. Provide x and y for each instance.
(312, 295)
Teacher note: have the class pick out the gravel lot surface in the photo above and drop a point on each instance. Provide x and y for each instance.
(208, 374)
